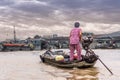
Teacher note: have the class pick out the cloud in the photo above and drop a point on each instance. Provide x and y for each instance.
(6, 2)
(34, 8)
(41, 17)
(103, 11)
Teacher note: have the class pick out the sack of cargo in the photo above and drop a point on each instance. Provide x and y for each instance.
(59, 58)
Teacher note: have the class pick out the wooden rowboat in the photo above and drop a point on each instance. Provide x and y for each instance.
(84, 63)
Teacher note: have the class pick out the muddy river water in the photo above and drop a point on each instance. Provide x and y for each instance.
(26, 65)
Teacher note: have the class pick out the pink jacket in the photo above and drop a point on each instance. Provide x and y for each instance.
(75, 35)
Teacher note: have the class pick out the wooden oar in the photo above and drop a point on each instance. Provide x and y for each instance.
(102, 63)
(105, 66)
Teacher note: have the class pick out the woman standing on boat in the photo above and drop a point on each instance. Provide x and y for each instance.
(75, 40)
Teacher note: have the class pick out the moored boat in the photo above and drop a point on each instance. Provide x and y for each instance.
(15, 47)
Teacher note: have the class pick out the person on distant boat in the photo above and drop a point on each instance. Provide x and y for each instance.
(74, 41)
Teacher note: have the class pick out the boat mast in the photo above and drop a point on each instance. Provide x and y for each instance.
(14, 34)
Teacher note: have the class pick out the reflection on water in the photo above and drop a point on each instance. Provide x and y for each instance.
(27, 66)
(84, 74)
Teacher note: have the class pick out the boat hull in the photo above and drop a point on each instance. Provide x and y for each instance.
(67, 64)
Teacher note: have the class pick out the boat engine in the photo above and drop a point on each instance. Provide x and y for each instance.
(90, 56)
(86, 41)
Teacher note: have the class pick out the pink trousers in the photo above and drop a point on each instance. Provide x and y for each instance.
(74, 47)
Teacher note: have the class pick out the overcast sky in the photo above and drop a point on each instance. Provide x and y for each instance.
(47, 17)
